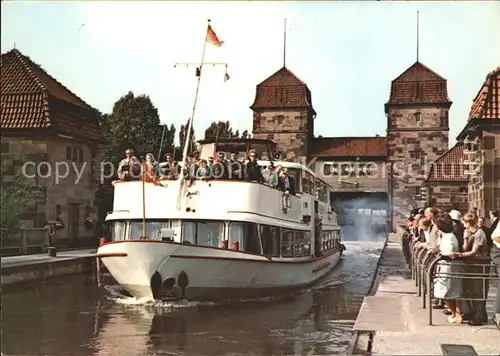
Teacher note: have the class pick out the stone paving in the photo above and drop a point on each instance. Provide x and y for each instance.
(400, 323)
(25, 260)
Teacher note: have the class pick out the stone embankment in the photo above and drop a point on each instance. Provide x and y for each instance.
(26, 268)
(391, 320)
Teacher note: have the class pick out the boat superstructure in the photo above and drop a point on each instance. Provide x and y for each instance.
(221, 237)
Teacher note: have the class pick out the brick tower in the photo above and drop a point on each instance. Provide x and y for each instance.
(417, 134)
(283, 112)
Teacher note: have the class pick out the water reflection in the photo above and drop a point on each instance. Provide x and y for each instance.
(72, 317)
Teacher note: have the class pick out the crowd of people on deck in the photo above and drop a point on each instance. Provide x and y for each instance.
(243, 168)
(472, 249)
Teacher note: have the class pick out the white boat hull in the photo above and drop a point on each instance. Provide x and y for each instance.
(201, 273)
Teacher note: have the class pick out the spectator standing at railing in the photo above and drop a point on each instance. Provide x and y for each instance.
(458, 227)
(424, 226)
(475, 245)
(433, 243)
(494, 220)
(406, 239)
(495, 257)
(448, 288)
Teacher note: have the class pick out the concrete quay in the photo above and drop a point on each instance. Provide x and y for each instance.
(393, 321)
(27, 268)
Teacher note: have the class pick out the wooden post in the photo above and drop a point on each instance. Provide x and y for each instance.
(98, 271)
(24, 241)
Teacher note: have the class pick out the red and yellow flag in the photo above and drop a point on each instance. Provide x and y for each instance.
(212, 37)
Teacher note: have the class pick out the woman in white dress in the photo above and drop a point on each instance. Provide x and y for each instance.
(445, 285)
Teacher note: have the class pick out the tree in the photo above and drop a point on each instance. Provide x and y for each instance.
(220, 130)
(245, 134)
(182, 141)
(19, 197)
(133, 123)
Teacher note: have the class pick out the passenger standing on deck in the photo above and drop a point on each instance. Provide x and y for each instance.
(129, 167)
(270, 175)
(253, 172)
(235, 167)
(286, 183)
(220, 168)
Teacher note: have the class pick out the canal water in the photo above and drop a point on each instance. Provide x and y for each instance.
(71, 316)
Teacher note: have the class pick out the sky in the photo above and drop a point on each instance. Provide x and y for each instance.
(347, 53)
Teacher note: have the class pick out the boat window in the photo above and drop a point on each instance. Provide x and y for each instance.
(244, 236)
(153, 229)
(203, 233)
(296, 174)
(307, 183)
(287, 243)
(261, 149)
(299, 243)
(271, 240)
(117, 230)
(307, 243)
(209, 233)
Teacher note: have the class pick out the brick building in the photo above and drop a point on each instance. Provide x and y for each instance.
(481, 139)
(363, 168)
(45, 123)
(447, 183)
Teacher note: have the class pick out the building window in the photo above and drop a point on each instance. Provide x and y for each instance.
(80, 155)
(418, 116)
(5, 147)
(58, 210)
(327, 169)
(75, 154)
(68, 152)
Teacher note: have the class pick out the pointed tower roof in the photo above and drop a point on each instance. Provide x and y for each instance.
(486, 102)
(419, 85)
(33, 99)
(283, 89)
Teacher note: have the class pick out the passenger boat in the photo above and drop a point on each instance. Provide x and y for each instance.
(207, 239)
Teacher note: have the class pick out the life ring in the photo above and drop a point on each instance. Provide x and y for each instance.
(286, 202)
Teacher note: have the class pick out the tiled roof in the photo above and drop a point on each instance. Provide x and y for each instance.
(486, 102)
(449, 167)
(350, 147)
(281, 90)
(419, 85)
(32, 99)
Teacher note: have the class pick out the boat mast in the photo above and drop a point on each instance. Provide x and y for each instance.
(187, 143)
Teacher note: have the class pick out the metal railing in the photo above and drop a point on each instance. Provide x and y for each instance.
(475, 274)
(23, 240)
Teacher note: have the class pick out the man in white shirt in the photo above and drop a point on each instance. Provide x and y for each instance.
(495, 257)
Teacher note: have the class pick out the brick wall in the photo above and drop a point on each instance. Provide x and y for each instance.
(63, 192)
(484, 189)
(289, 129)
(368, 175)
(416, 137)
(447, 196)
